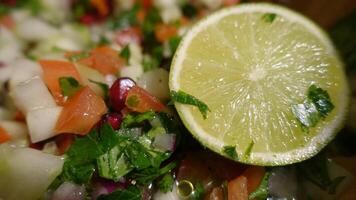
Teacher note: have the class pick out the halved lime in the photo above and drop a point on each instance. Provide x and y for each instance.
(250, 64)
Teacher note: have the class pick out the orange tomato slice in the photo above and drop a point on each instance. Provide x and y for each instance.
(139, 100)
(81, 112)
(4, 136)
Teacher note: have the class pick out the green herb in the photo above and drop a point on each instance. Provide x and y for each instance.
(317, 105)
(316, 171)
(4, 9)
(78, 56)
(147, 175)
(132, 101)
(69, 86)
(103, 87)
(113, 164)
(148, 26)
(184, 98)
(35, 6)
(125, 53)
(166, 183)
(126, 18)
(198, 192)
(174, 42)
(135, 119)
(230, 151)
(343, 36)
(149, 63)
(249, 149)
(261, 193)
(269, 17)
(131, 193)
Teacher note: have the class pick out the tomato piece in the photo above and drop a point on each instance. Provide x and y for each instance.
(55, 69)
(128, 35)
(104, 59)
(4, 136)
(254, 175)
(81, 112)
(101, 6)
(140, 100)
(237, 189)
(164, 32)
(63, 142)
(7, 21)
(140, 16)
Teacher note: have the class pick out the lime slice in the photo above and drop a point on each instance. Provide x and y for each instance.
(250, 64)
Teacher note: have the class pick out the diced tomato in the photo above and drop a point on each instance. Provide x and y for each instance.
(55, 69)
(146, 4)
(104, 59)
(237, 189)
(140, 16)
(101, 6)
(19, 116)
(7, 21)
(4, 136)
(217, 193)
(127, 36)
(64, 141)
(164, 32)
(140, 100)
(254, 175)
(230, 2)
(81, 112)
(88, 19)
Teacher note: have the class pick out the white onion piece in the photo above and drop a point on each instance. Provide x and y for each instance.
(87, 74)
(134, 72)
(50, 148)
(135, 54)
(172, 195)
(24, 69)
(41, 123)
(31, 95)
(16, 130)
(69, 191)
(165, 142)
(283, 183)
(34, 29)
(155, 82)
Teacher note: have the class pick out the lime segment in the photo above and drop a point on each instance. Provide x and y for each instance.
(250, 71)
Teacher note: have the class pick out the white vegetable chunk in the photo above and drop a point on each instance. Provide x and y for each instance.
(87, 74)
(41, 123)
(155, 82)
(23, 70)
(17, 131)
(26, 173)
(172, 195)
(134, 72)
(31, 95)
(34, 29)
(69, 191)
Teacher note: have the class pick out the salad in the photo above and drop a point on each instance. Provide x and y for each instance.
(86, 111)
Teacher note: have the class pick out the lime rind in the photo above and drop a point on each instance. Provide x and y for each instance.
(309, 149)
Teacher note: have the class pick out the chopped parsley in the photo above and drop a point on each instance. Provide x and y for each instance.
(269, 17)
(166, 183)
(184, 98)
(69, 86)
(230, 151)
(261, 193)
(126, 53)
(316, 107)
(78, 56)
(133, 120)
(249, 149)
(125, 19)
(132, 101)
(131, 193)
(174, 42)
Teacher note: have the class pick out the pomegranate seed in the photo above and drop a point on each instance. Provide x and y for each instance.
(118, 92)
(87, 19)
(114, 119)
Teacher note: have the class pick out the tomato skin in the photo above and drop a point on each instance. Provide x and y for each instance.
(164, 32)
(81, 112)
(55, 69)
(4, 136)
(237, 189)
(139, 100)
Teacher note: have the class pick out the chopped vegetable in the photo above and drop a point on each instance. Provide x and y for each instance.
(131, 193)
(53, 70)
(230, 151)
(4, 136)
(69, 86)
(125, 53)
(141, 101)
(261, 192)
(166, 183)
(269, 17)
(249, 149)
(184, 98)
(81, 112)
(164, 32)
(237, 189)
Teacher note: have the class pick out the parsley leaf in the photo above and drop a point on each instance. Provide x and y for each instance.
(147, 175)
(174, 42)
(230, 151)
(149, 63)
(249, 149)
(166, 183)
(133, 120)
(269, 17)
(126, 53)
(184, 98)
(69, 86)
(261, 193)
(125, 19)
(131, 193)
(78, 56)
(317, 105)
(132, 101)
